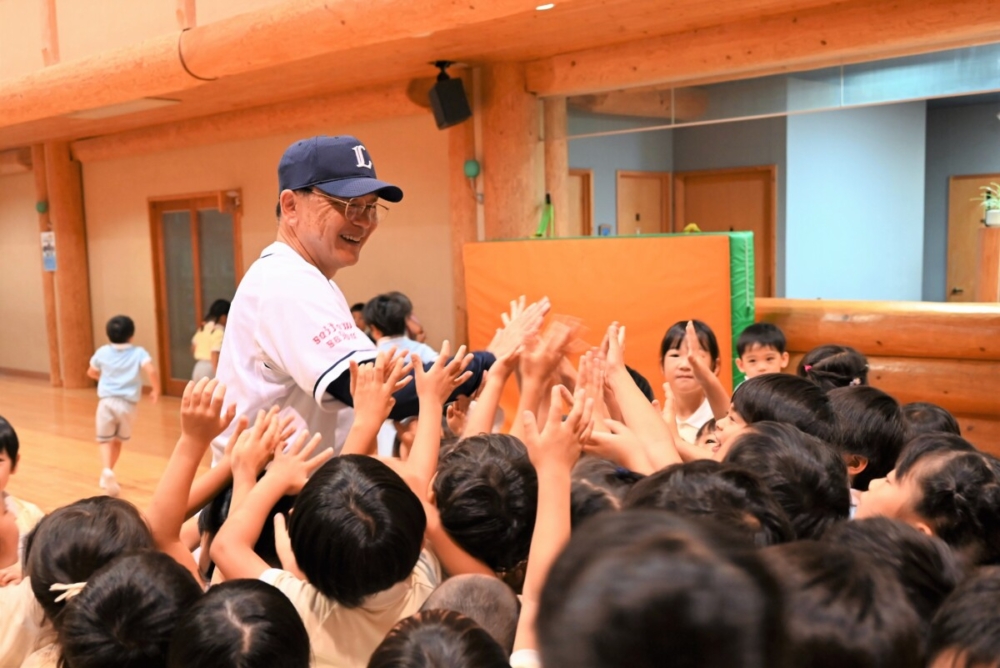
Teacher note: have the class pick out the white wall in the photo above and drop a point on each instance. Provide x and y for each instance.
(23, 339)
(855, 207)
(411, 252)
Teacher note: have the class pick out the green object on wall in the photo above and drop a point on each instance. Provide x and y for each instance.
(741, 276)
(42, 207)
(472, 168)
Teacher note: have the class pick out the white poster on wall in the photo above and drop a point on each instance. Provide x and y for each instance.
(49, 251)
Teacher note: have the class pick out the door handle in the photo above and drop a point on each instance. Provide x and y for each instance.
(957, 291)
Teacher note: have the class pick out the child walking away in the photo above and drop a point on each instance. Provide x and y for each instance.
(206, 344)
(116, 368)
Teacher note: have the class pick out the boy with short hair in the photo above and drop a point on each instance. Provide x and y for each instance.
(117, 369)
(388, 316)
(761, 349)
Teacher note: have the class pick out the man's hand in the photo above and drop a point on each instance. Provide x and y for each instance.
(560, 443)
(202, 418)
(291, 469)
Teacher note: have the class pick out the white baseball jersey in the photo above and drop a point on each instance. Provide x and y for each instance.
(289, 334)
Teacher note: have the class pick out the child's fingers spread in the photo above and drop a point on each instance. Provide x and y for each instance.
(299, 441)
(402, 382)
(530, 427)
(321, 457)
(461, 379)
(186, 397)
(445, 351)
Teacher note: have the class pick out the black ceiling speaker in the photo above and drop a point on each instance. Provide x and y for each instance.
(448, 99)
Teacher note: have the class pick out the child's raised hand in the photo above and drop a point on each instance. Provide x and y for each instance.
(255, 447)
(541, 357)
(457, 414)
(202, 418)
(291, 469)
(561, 441)
(620, 445)
(373, 384)
(519, 325)
(438, 382)
(613, 347)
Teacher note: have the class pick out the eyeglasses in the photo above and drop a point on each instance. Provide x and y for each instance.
(357, 209)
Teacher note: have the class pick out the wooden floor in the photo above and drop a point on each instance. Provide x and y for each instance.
(59, 456)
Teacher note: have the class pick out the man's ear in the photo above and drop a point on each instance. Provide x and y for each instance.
(288, 202)
(855, 464)
(739, 365)
(784, 360)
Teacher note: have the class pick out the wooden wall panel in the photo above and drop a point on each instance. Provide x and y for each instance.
(946, 354)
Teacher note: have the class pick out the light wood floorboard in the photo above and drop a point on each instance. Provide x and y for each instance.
(59, 455)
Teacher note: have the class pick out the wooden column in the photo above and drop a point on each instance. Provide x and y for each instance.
(462, 206)
(50, 33)
(512, 203)
(72, 279)
(988, 265)
(48, 277)
(557, 164)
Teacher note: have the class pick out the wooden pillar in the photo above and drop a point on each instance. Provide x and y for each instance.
(48, 277)
(988, 265)
(462, 201)
(72, 279)
(50, 33)
(557, 164)
(511, 200)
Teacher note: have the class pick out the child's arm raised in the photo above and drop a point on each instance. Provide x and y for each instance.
(232, 549)
(637, 413)
(539, 360)
(553, 453)
(201, 408)
(372, 386)
(716, 394)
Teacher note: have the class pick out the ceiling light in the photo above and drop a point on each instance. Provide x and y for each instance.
(131, 107)
(547, 5)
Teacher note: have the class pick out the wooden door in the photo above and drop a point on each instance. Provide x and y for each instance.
(196, 259)
(643, 202)
(733, 200)
(965, 217)
(580, 185)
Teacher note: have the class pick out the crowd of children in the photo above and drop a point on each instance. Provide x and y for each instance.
(805, 519)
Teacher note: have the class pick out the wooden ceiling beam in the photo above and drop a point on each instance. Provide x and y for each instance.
(330, 110)
(854, 31)
(683, 104)
(15, 161)
(281, 34)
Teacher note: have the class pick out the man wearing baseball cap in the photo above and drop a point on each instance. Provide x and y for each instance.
(290, 335)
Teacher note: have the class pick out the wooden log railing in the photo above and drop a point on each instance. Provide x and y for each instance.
(947, 354)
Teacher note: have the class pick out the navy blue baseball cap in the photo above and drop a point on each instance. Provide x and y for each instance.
(339, 166)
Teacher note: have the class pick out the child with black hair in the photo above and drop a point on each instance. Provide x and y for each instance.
(126, 612)
(832, 366)
(438, 638)
(706, 438)
(691, 362)
(842, 608)
(716, 492)
(925, 566)
(923, 417)
(206, 344)
(354, 515)
(807, 477)
(61, 554)
(966, 630)
(599, 486)
(646, 588)
(17, 517)
(240, 624)
(871, 432)
(945, 490)
(117, 367)
(777, 397)
(761, 349)
(486, 492)
(387, 316)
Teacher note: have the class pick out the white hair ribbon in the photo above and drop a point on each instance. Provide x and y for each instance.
(68, 591)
